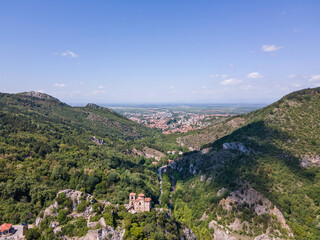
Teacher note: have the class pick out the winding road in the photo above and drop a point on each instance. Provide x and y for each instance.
(160, 170)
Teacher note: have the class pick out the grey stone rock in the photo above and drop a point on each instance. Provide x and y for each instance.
(236, 146)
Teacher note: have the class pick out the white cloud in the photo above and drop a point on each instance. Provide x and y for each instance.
(60, 85)
(270, 48)
(69, 54)
(101, 87)
(204, 87)
(231, 81)
(172, 87)
(296, 85)
(314, 78)
(254, 75)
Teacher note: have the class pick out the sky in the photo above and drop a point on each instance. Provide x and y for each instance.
(168, 51)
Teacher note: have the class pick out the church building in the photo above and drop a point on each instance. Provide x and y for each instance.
(139, 204)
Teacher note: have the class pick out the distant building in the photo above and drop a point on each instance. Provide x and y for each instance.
(6, 229)
(139, 204)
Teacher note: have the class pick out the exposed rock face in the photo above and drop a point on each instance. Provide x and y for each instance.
(220, 233)
(98, 141)
(54, 224)
(101, 222)
(262, 237)
(39, 95)
(261, 205)
(189, 235)
(92, 105)
(236, 146)
(310, 160)
(75, 196)
(57, 229)
(202, 178)
(237, 225)
(204, 217)
(49, 211)
(105, 232)
(38, 220)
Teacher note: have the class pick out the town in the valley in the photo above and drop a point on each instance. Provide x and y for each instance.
(173, 122)
(181, 118)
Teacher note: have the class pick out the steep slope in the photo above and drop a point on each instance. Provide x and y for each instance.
(196, 139)
(46, 146)
(43, 109)
(262, 178)
(293, 122)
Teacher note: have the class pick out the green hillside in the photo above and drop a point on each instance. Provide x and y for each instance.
(254, 174)
(46, 146)
(282, 163)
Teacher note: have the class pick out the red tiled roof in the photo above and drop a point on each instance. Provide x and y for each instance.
(132, 194)
(5, 227)
(141, 195)
(148, 199)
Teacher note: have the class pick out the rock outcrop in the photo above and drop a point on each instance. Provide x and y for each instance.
(220, 232)
(39, 95)
(310, 161)
(255, 199)
(104, 233)
(236, 146)
(188, 234)
(97, 141)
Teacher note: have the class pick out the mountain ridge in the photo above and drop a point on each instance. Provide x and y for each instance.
(281, 163)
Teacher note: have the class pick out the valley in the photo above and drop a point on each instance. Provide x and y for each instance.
(68, 172)
(183, 118)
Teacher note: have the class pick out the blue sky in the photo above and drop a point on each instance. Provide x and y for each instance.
(164, 51)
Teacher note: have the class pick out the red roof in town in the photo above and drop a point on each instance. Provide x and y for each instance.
(148, 199)
(5, 227)
(132, 194)
(141, 195)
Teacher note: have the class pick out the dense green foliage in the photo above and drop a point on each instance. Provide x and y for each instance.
(45, 146)
(280, 135)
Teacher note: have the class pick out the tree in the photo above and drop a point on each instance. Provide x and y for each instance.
(33, 234)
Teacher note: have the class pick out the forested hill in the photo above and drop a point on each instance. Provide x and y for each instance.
(258, 162)
(46, 146)
(291, 124)
(33, 111)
